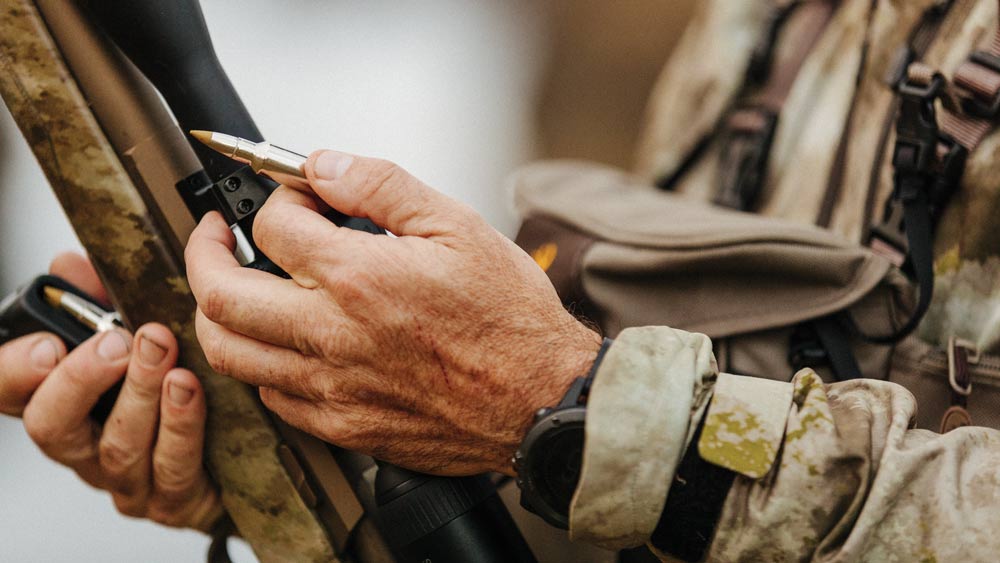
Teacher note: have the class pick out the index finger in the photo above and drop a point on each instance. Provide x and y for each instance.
(245, 300)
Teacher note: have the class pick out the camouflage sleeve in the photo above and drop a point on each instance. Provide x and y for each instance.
(824, 472)
(652, 382)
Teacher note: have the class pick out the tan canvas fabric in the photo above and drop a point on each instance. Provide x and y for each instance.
(661, 259)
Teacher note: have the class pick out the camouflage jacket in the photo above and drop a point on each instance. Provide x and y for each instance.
(823, 472)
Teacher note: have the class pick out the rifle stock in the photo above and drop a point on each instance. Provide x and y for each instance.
(113, 156)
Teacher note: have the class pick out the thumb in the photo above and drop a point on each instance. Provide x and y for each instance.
(383, 192)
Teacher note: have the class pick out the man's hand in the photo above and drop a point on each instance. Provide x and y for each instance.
(431, 350)
(148, 454)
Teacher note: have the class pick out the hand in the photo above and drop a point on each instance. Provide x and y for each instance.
(431, 350)
(148, 453)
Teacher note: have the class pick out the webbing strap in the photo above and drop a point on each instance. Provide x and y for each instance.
(766, 86)
(835, 343)
(916, 163)
(976, 85)
(749, 129)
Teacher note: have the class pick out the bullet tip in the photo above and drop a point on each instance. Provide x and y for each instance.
(53, 295)
(203, 136)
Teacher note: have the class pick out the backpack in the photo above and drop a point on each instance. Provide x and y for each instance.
(814, 189)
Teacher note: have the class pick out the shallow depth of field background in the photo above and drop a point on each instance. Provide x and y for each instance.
(459, 93)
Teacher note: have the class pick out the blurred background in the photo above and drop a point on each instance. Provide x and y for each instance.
(459, 93)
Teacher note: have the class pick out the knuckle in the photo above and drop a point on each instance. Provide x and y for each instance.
(189, 255)
(215, 302)
(383, 173)
(462, 220)
(144, 388)
(39, 429)
(215, 352)
(117, 459)
(174, 482)
(130, 505)
(269, 397)
(350, 285)
(189, 425)
(167, 514)
(265, 223)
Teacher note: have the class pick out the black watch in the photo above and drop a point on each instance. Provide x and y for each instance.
(548, 461)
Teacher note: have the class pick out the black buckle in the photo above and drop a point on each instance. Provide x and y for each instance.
(914, 158)
(949, 176)
(805, 350)
(916, 127)
(973, 105)
(744, 157)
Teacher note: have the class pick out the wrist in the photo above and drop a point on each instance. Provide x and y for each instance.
(567, 361)
(549, 460)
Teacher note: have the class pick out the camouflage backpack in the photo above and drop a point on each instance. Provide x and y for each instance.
(815, 188)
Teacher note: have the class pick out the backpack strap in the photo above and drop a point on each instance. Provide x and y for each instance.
(748, 130)
(929, 160)
(977, 89)
(772, 83)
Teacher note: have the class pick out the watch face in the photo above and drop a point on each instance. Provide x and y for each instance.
(557, 466)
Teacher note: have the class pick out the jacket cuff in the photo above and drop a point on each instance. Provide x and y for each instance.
(652, 383)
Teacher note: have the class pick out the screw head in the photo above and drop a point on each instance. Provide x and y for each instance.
(232, 184)
(244, 206)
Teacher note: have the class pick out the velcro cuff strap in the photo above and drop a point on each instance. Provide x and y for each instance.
(745, 424)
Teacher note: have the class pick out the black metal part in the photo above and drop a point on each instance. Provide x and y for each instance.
(548, 463)
(26, 312)
(446, 520)
(170, 44)
(805, 348)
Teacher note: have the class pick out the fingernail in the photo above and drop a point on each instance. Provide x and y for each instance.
(179, 396)
(150, 352)
(113, 346)
(331, 165)
(44, 355)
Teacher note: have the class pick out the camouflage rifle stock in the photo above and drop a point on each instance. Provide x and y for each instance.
(114, 157)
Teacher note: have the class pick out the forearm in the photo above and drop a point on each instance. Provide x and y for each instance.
(828, 471)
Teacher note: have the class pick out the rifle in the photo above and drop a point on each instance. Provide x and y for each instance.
(127, 176)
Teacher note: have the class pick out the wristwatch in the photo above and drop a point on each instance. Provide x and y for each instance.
(549, 458)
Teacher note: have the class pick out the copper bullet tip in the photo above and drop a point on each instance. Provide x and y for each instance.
(53, 296)
(203, 136)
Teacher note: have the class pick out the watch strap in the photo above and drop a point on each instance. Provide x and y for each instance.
(589, 379)
(694, 505)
